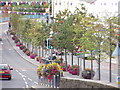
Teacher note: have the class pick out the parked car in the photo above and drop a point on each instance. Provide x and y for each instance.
(5, 71)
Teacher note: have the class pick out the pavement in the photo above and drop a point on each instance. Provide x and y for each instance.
(33, 61)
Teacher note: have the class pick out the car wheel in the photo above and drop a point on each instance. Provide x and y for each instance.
(9, 78)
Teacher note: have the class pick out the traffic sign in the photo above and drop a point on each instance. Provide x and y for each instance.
(50, 47)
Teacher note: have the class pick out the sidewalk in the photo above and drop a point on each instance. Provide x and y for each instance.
(21, 53)
(33, 61)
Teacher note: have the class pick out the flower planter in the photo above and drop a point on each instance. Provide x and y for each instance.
(70, 71)
(74, 73)
(25, 49)
(32, 57)
(17, 40)
(74, 70)
(17, 45)
(37, 58)
(13, 38)
(64, 69)
(22, 47)
(88, 74)
(27, 53)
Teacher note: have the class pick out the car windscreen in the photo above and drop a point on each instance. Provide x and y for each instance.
(2, 67)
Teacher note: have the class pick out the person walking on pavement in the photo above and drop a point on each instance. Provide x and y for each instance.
(54, 57)
(47, 59)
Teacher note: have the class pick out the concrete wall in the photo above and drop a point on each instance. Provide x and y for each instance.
(67, 82)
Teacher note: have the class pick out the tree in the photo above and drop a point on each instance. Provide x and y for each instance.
(14, 21)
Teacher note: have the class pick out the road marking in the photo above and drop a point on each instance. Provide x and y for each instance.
(20, 73)
(26, 83)
(35, 82)
(23, 75)
(24, 79)
(27, 86)
(17, 71)
(29, 79)
(24, 70)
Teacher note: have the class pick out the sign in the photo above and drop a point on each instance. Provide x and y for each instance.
(78, 50)
(50, 47)
(118, 80)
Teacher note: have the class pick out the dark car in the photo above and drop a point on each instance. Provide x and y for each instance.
(5, 71)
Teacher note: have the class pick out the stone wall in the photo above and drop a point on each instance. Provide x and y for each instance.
(67, 82)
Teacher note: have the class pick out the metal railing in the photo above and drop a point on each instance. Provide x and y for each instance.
(53, 83)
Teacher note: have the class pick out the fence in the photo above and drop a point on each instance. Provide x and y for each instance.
(52, 83)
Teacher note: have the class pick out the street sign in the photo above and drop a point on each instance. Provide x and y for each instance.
(50, 47)
(78, 50)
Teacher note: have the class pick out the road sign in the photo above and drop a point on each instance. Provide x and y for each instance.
(78, 50)
(50, 47)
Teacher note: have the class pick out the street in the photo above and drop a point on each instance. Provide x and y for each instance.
(25, 73)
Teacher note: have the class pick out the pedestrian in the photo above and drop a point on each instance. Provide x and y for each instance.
(54, 57)
(47, 59)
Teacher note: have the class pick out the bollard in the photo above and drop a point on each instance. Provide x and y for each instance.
(55, 81)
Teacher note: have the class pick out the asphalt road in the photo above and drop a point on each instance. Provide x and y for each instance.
(24, 74)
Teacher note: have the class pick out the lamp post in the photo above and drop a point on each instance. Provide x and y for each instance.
(119, 42)
(99, 53)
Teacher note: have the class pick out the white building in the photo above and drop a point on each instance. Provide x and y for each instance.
(97, 7)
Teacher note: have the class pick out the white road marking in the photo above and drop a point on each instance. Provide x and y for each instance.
(26, 83)
(29, 79)
(24, 79)
(9, 49)
(20, 73)
(16, 70)
(24, 70)
(23, 75)
(27, 86)
(35, 82)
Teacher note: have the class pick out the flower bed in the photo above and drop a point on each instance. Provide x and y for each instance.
(74, 70)
(63, 65)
